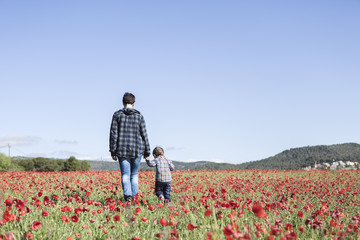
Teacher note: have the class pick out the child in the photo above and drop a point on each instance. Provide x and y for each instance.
(163, 174)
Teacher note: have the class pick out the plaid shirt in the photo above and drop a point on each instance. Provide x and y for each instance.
(128, 137)
(163, 168)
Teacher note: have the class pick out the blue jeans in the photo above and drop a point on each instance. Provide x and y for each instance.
(162, 189)
(129, 168)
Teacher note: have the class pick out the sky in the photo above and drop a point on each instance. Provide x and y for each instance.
(223, 81)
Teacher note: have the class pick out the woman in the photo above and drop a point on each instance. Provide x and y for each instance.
(128, 144)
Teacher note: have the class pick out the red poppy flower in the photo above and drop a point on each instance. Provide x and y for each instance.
(8, 202)
(144, 219)
(8, 216)
(186, 211)
(20, 204)
(163, 222)
(191, 227)
(35, 225)
(116, 218)
(288, 227)
(159, 235)
(29, 235)
(8, 236)
(45, 213)
(74, 218)
(259, 211)
(291, 235)
(66, 219)
(228, 230)
(208, 213)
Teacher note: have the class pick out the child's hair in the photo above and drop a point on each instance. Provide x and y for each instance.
(158, 151)
(128, 98)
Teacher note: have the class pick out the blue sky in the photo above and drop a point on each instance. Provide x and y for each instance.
(226, 81)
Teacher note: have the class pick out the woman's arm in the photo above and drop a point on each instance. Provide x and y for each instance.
(144, 137)
(151, 163)
(113, 135)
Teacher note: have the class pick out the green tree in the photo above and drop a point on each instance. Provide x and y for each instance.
(60, 163)
(84, 165)
(72, 164)
(45, 165)
(4, 162)
(28, 164)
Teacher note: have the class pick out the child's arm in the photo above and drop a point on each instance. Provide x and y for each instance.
(171, 165)
(151, 163)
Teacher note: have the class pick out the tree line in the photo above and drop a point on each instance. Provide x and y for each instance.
(292, 159)
(41, 164)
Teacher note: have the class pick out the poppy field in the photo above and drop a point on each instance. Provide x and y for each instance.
(231, 204)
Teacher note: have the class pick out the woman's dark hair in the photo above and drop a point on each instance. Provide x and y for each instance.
(128, 98)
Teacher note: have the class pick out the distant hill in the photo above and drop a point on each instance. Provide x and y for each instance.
(292, 159)
(299, 158)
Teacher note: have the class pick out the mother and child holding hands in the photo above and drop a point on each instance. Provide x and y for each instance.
(129, 143)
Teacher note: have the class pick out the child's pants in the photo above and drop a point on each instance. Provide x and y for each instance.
(162, 189)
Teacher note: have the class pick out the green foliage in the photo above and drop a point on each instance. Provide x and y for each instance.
(61, 164)
(72, 164)
(45, 165)
(27, 164)
(41, 164)
(298, 158)
(4, 162)
(84, 165)
(15, 167)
